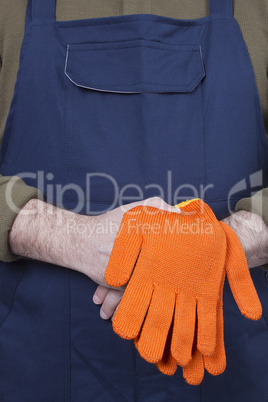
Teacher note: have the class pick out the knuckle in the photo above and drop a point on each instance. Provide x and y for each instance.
(157, 201)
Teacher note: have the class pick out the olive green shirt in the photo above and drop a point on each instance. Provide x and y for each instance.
(251, 15)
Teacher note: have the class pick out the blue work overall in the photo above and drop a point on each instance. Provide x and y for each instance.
(118, 107)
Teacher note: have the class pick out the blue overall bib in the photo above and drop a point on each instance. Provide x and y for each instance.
(110, 110)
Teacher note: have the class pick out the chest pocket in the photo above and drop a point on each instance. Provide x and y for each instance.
(132, 107)
(135, 66)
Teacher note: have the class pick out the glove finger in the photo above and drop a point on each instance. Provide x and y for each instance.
(239, 277)
(124, 255)
(193, 373)
(184, 329)
(132, 310)
(155, 329)
(216, 363)
(206, 316)
(168, 364)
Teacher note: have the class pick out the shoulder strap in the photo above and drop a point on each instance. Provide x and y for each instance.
(43, 9)
(221, 8)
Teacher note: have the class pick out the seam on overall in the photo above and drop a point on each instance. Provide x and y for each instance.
(70, 332)
(107, 44)
(203, 127)
(203, 139)
(199, 130)
(72, 156)
(224, 199)
(264, 317)
(138, 83)
(135, 374)
(133, 47)
(256, 96)
(66, 339)
(109, 202)
(16, 93)
(66, 134)
(33, 2)
(179, 22)
(68, 137)
(13, 299)
(64, 350)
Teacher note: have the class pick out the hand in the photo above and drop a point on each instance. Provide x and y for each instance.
(109, 299)
(253, 235)
(79, 242)
(167, 275)
(214, 364)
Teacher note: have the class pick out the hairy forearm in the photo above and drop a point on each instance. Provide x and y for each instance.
(79, 242)
(43, 232)
(253, 235)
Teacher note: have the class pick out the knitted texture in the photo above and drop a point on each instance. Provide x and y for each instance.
(215, 364)
(180, 261)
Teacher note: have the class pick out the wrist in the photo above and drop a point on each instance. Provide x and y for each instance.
(24, 229)
(253, 235)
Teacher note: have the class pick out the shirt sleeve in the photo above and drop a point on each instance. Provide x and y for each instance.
(258, 204)
(14, 194)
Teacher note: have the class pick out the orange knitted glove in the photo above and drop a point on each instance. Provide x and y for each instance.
(179, 269)
(216, 363)
(194, 371)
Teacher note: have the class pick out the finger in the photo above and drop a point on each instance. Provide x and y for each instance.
(100, 294)
(125, 252)
(193, 373)
(110, 303)
(112, 318)
(206, 331)
(184, 329)
(239, 277)
(132, 310)
(216, 363)
(155, 329)
(168, 364)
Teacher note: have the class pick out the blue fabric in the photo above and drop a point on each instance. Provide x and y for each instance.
(168, 106)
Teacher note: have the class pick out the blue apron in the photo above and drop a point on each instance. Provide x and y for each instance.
(106, 111)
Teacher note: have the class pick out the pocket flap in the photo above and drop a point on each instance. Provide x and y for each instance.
(135, 66)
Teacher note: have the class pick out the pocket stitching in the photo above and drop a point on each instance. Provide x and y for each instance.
(185, 87)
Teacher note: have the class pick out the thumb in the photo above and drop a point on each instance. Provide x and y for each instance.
(239, 277)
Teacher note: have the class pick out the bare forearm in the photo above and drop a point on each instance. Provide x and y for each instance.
(83, 243)
(43, 232)
(253, 235)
